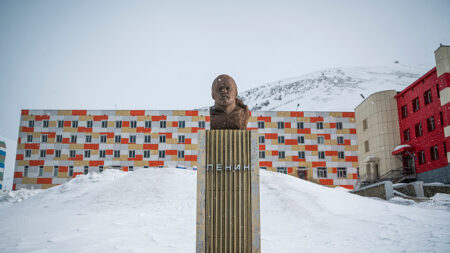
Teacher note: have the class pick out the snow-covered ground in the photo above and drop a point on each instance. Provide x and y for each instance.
(153, 210)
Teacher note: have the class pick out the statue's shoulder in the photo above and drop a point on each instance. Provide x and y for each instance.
(213, 111)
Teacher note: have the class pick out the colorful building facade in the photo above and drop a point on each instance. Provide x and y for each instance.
(2, 161)
(423, 112)
(57, 145)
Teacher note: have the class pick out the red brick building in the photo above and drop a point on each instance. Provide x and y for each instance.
(423, 112)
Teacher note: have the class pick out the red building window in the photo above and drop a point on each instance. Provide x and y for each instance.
(421, 156)
(427, 97)
(406, 136)
(441, 117)
(445, 148)
(434, 153)
(404, 111)
(437, 90)
(431, 124)
(415, 104)
(418, 128)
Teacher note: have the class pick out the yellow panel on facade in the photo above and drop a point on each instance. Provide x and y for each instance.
(96, 135)
(178, 113)
(336, 114)
(64, 112)
(52, 123)
(46, 186)
(298, 147)
(355, 164)
(314, 153)
(63, 175)
(111, 124)
(333, 142)
(48, 168)
(23, 162)
(34, 151)
(253, 119)
(169, 123)
(70, 129)
(302, 164)
(21, 146)
(283, 114)
(154, 135)
(309, 164)
(29, 180)
(136, 146)
(328, 142)
(153, 152)
(128, 130)
(84, 118)
(290, 130)
(140, 163)
(271, 125)
(123, 113)
(352, 120)
(144, 118)
(172, 141)
(94, 152)
(76, 146)
(351, 148)
(110, 141)
(27, 117)
(80, 163)
(36, 134)
(310, 136)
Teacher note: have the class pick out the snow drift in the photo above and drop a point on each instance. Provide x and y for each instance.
(153, 210)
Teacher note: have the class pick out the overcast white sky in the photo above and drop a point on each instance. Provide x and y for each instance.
(165, 54)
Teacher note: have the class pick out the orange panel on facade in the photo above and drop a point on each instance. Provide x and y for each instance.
(137, 112)
(188, 141)
(50, 134)
(262, 147)
(63, 169)
(18, 174)
(207, 118)
(265, 119)
(79, 112)
(326, 181)
(291, 142)
(351, 159)
(32, 145)
(19, 157)
(171, 152)
(168, 135)
(65, 140)
(41, 117)
(289, 170)
(77, 173)
(315, 119)
(96, 163)
(326, 136)
(124, 141)
(158, 118)
(194, 129)
(143, 130)
(287, 125)
(352, 131)
(155, 163)
(275, 152)
(27, 129)
(311, 147)
(44, 180)
(192, 158)
(319, 164)
(331, 153)
(297, 114)
(355, 175)
(100, 117)
(350, 187)
(109, 152)
(50, 151)
(191, 113)
(348, 114)
(332, 125)
(150, 146)
(271, 136)
(334, 170)
(304, 131)
(24, 112)
(67, 123)
(265, 163)
(36, 162)
(84, 130)
(126, 123)
(91, 146)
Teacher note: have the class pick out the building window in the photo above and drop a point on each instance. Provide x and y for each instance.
(322, 172)
(102, 153)
(43, 153)
(88, 138)
(319, 125)
(132, 154)
(25, 171)
(103, 138)
(116, 153)
(418, 128)
(162, 139)
(339, 125)
(320, 139)
(162, 124)
(131, 168)
(147, 138)
(366, 146)
(148, 124)
(117, 139)
(406, 135)
(181, 139)
(281, 155)
(280, 125)
(28, 153)
(262, 154)
(441, 118)
(262, 139)
(104, 124)
(421, 156)
(87, 153)
(180, 154)
(86, 170)
(41, 171)
(132, 138)
(59, 138)
(434, 153)
(301, 154)
(31, 123)
(415, 104)
(100, 169)
(427, 97)
(72, 153)
(146, 153)
(55, 171)
(340, 140)
(162, 154)
(45, 123)
(404, 111)
(341, 155)
(119, 124)
(30, 138)
(300, 125)
(89, 124)
(181, 124)
(445, 148)
(74, 123)
(365, 125)
(60, 123)
(73, 138)
(201, 124)
(431, 124)
(261, 124)
(280, 139)
(58, 153)
(133, 124)
(44, 138)
(70, 172)
(321, 154)
(342, 172)
(282, 170)
(301, 139)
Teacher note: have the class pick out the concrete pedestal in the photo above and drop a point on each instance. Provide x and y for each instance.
(228, 209)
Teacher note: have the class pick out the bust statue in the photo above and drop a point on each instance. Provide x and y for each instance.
(228, 112)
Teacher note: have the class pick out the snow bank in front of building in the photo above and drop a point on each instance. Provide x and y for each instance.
(8, 196)
(153, 210)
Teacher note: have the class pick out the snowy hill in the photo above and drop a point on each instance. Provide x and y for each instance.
(153, 210)
(336, 89)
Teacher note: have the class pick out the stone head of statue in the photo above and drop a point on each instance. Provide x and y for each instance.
(224, 91)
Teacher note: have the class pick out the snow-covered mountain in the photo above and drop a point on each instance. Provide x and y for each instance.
(336, 89)
(153, 210)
